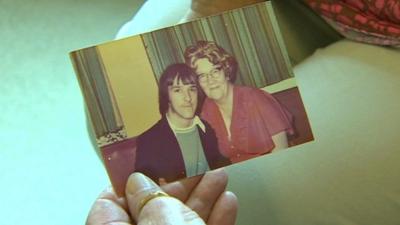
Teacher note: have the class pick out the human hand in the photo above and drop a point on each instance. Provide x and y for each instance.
(195, 200)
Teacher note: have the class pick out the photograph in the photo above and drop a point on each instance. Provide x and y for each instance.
(180, 101)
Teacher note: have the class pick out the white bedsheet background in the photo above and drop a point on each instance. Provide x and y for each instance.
(49, 171)
(350, 173)
(155, 14)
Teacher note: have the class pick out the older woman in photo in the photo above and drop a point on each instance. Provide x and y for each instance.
(248, 121)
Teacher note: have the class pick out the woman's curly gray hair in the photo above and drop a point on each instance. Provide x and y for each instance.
(215, 54)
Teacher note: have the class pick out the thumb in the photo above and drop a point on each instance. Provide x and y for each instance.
(157, 209)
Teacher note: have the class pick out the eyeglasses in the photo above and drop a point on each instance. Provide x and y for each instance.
(214, 73)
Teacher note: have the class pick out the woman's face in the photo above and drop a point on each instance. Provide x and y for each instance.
(212, 79)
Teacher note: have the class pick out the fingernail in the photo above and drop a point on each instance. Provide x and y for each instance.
(138, 182)
(137, 188)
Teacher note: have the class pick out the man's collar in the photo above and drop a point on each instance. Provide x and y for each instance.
(196, 121)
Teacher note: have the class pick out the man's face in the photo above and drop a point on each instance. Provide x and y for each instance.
(182, 102)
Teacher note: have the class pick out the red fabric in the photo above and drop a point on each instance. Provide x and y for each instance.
(371, 21)
(256, 117)
(119, 159)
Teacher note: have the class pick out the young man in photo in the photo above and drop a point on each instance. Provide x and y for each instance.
(180, 144)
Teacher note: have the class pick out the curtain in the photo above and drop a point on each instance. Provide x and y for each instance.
(98, 95)
(250, 34)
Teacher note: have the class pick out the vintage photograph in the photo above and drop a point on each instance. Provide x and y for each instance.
(180, 101)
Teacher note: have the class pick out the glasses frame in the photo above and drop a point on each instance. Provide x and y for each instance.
(214, 73)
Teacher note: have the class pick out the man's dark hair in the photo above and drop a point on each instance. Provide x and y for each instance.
(184, 74)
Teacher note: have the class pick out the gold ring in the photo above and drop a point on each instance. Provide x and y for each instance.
(151, 196)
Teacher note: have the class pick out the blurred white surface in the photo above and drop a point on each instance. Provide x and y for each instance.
(50, 173)
(349, 174)
(155, 14)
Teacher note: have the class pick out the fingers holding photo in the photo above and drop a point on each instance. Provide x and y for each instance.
(149, 204)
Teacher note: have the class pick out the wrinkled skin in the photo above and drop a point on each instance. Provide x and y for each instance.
(196, 200)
